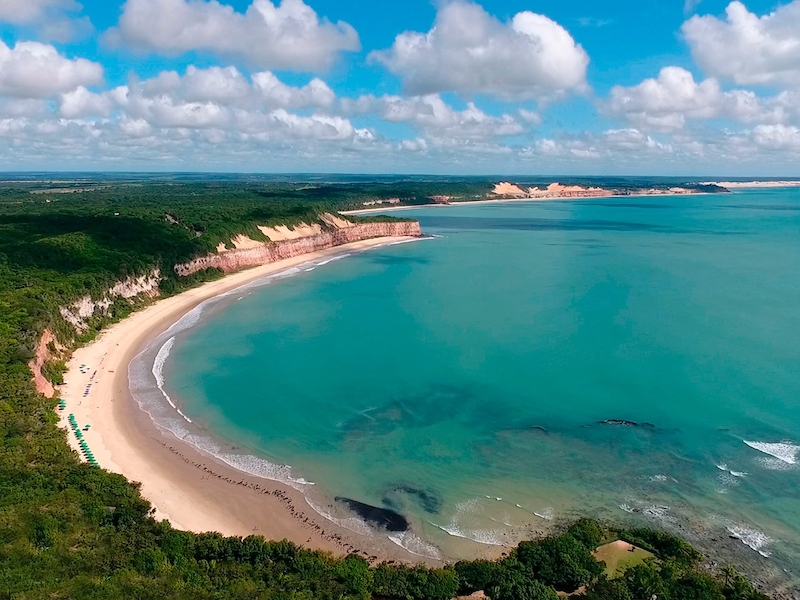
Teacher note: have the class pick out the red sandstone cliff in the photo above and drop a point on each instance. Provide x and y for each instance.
(247, 253)
(43, 386)
(268, 252)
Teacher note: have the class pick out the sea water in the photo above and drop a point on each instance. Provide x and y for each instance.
(633, 359)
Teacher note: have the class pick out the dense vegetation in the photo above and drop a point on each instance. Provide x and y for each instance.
(70, 530)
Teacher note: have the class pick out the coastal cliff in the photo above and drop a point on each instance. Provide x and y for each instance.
(82, 310)
(262, 253)
(42, 355)
(245, 252)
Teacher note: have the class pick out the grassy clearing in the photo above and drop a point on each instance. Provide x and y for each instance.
(619, 556)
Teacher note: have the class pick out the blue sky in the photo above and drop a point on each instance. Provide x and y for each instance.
(502, 86)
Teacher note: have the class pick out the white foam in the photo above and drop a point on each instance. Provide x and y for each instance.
(783, 451)
(331, 259)
(751, 538)
(482, 536)
(158, 372)
(415, 545)
(353, 524)
(773, 464)
(408, 241)
(546, 514)
(660, 513)
(728, 479)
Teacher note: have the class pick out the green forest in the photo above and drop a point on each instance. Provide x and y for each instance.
(72, 530)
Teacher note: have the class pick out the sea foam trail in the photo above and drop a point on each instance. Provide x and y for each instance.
(784, 451)
(158, 373)
(415, 545)
(752, 538)
(481, 536)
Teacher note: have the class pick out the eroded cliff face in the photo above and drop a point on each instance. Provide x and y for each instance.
(43, 386)
(78, 313)
(287, 243)
(269, 252)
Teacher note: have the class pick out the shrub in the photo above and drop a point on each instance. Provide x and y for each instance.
(514, 581)
(561, 562)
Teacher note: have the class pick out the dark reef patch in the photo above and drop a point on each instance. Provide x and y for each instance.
(383, 518)
(625, 423)
(426, 499)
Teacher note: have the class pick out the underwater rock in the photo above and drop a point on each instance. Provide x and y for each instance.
(383, 518)
(427, 500)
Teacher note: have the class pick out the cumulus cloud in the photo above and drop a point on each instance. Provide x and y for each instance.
(287, 36)
(228, 86)
(669, 100)
(22, 12)
(34, 70)
(51, 17)
(746, 48)
(80, 102)
(219, 102)
(777, 137)
(470, 52)
(435, 117)
(626, 143)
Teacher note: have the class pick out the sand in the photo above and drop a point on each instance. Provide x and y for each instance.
(387, 209)
(732, 185)
(191, 489)
(282, 232)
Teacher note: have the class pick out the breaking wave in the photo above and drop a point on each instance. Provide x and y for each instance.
(415, 545)
(783, 451)
(751, 538)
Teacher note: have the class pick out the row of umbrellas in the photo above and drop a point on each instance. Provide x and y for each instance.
(81, 442)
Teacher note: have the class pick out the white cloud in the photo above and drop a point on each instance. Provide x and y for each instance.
(217, 103)
(667, 102)
(230, 87)
(746, 48)
(417, 145)
(633, 140)
(469, 51)
(315, 93)
(777, 137)
(24, 12)
(433, 116)
(51, 17)
(614, 144)
(81, 103)
(689, 6)
(34, 70)
(530, 116)
(287, 36)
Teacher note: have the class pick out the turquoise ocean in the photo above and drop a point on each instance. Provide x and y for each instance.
(635, 359)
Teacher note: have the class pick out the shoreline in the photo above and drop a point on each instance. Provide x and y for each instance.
(192, 489)
(391, 208)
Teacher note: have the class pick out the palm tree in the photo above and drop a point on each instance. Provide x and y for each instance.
(730, 574)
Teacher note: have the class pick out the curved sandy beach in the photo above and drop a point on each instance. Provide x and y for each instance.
(193, 490)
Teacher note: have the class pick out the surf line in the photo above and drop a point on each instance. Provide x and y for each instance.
(165, 342)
